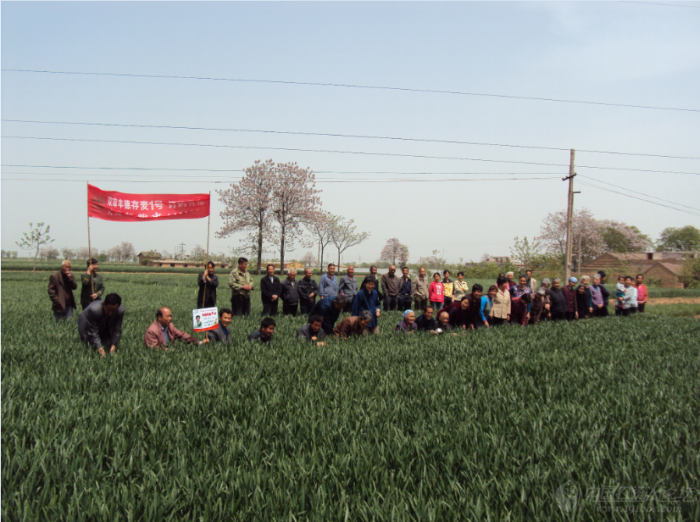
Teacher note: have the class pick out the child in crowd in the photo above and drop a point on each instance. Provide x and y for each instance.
(436, 293)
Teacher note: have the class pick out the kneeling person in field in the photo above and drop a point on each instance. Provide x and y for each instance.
(264, 335)
(100, 324)
(162, 331)
(353, 326)
(312, 331)
(222, 333)
(367, 299)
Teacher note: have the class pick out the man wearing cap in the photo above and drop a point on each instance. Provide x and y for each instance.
(570, 297)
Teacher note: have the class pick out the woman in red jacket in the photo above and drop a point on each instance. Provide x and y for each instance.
(436, 293)
(642, 294)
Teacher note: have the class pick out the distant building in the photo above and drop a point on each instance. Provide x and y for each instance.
(180, 263)
(664, 266)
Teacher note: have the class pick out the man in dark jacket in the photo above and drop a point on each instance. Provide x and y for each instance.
(290, 294)
(426, 321)
(93, 287)
(329, 308)
(405, 298)
(271, 289)
(264, 334)
(207, 281)
(391, 284)
(222, 334)
(308, 291)
(367, 299)
(100, 324)
(373, 273)
(571, 302)
(61, 286)
(558, 300)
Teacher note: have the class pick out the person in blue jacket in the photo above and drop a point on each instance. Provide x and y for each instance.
(368, 299)
(329, 308)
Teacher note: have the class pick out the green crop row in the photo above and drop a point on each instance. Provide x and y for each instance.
(499, 424)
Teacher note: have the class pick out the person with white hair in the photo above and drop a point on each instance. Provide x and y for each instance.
(61, 286)
(511, 281)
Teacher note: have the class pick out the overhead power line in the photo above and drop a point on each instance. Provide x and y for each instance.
(337, 135)
(351, 152)
(587, 184)
(353, 86)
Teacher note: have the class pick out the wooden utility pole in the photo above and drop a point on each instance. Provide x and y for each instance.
(569, 219)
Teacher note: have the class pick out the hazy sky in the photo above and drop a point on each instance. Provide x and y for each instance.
(621, 52)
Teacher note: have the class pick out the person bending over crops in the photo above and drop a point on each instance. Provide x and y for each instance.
(353, 326)
(329, 308)
(222, 333)
(426, 322)
(264, 334)
(313, 331)
(368, 299)
(408, 325)
(459, 313)
(100, 324)
(162, 331)
(443, 323)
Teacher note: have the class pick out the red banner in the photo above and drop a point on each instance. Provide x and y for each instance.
(119, 206)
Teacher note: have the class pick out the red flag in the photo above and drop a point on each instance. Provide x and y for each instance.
(119, 206)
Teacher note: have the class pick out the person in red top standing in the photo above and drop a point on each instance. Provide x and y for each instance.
(642, 293)
(436, 292)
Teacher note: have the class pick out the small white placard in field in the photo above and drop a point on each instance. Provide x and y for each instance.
(204, 319)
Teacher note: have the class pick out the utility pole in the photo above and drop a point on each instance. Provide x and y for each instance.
(569, 219)
(182, 250)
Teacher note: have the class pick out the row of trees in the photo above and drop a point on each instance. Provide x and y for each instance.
(279, 204)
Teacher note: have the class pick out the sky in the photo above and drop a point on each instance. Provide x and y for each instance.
(627, 53)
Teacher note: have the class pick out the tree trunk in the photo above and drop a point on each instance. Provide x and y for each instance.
(320, 261)
(35, 256)
(339, 252)
(260, 243)
(282, 251)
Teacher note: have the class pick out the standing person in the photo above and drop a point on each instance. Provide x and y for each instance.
(329, 308)
(583, 301)
(368, 299)
(313, 331)
(308, 291)
(241, 285)
(61, 286)
(486, 306)
(162, 331)
(474, 309)
(541, 303)
(461, 288)
(500, 310)
(347, 286)
(373, 273)
(531, 281)
(100, 324)
(93, 287)
(208, 282)
(270, 290)
(290, 294)
(598, 306)
(436, 293)
(569, 292)
(619, 294)
(629, 300)
(328, 285)
(642, 294)
(521, 288)
(420, 290)
(408, 325)
(264, 334)
(556, 294)
(391, 286)
(448, 287)
(222, 334)
(511, 281)
(404, 299)
(520, 309)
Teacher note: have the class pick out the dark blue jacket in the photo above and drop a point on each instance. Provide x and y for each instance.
(325, 309)
(366, 301)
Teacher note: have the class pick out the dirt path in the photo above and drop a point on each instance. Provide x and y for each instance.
(673, 300)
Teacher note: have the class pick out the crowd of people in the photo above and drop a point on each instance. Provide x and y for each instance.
(444, 304)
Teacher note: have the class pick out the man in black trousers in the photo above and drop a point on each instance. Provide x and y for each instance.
(271, 289)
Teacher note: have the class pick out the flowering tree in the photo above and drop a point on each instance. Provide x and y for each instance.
(294, 203)
(249, 208)
(321, 229)
(394, 250)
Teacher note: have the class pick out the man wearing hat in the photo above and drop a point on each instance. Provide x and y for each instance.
(570, 297)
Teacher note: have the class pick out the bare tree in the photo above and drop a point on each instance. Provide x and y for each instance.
(295, 203)
(198, 254)
(248, 208)
(82, 253)
(394, 251)
(35, 239)
(344, 235)
(321, 228)
(67, 253)
(309, 259)
(49, 253)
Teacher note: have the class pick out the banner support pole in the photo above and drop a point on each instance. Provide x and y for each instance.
(206, 265)
(92, 279)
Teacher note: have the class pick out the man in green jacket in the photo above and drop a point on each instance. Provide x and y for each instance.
(93, 286)
(241, 286)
